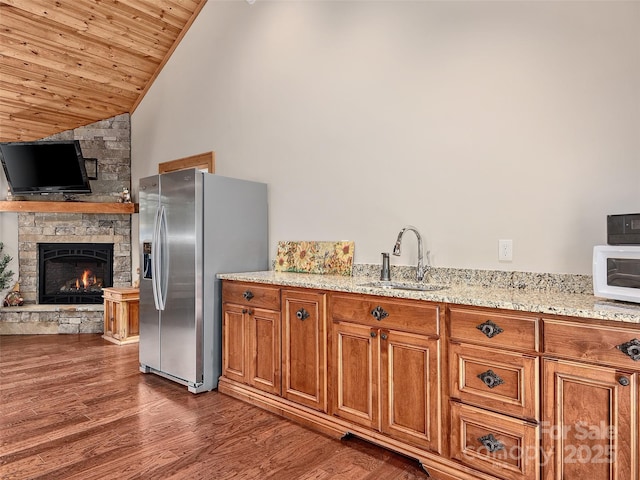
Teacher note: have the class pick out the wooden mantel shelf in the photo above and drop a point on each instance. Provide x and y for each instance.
(67, 207)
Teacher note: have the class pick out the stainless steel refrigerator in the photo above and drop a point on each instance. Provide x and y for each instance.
(193, 225)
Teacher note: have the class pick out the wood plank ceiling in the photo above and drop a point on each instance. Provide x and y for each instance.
(69, 63)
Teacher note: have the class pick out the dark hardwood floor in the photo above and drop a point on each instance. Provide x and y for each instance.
(76, 407)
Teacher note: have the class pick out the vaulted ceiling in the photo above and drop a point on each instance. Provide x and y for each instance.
(69, 63)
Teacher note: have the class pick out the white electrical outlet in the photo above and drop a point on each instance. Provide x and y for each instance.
(505, 250)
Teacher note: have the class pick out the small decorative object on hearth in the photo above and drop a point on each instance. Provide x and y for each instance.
(9, 195)
(14, 298)
(125, 196)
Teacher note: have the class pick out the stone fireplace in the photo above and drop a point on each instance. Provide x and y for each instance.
(74, 273)
(66, 231)
(47, 312)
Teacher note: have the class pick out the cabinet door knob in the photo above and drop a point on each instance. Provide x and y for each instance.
(244, 310)
(379, 313)
(373, 334)
(247, 295)
(491, 443)
(624, 381)
(302, 314)
(384, 336)
(490, 379)
(631, 349)
(490, 329)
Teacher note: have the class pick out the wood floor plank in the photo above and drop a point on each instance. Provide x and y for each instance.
(76, 407)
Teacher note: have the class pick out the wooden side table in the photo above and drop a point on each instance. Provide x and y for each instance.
(121, 309)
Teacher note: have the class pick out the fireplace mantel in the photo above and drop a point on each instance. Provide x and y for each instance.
(68, 207)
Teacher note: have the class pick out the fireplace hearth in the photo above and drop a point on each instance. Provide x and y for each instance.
(74, 273)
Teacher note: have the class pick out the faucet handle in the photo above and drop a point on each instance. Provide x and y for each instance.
(385, 272)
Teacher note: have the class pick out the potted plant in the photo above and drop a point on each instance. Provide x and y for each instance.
(5, 279)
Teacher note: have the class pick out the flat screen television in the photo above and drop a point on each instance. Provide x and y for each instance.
(44, 167)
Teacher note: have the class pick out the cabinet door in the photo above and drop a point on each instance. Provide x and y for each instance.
(110, 323)
(304, 345)
(234, 350)
(410, 380)
(356, 353)
(590, 428)
(134, 314)
(264, 349)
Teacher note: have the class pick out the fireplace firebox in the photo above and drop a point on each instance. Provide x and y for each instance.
(74, 273)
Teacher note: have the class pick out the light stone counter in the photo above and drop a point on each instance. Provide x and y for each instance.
(524, 300)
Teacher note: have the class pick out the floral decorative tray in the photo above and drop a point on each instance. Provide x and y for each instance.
(335, 258)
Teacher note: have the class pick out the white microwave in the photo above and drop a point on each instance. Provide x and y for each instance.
(616, 272)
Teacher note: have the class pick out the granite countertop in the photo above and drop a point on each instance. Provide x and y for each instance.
(543, 302)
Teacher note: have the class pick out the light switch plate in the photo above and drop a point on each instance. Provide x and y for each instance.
(505, 250)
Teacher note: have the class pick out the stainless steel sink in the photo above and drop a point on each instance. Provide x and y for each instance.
(419, 287)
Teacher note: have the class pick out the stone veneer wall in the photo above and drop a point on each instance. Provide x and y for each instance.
(34, 228)
(110, 142)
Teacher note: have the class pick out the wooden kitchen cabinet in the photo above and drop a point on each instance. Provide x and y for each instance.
(589, 433)
(304, 348)
(402, 374)
(121, 314)
(386, 379)
(251, 335)
(495, 390)
(590, 402)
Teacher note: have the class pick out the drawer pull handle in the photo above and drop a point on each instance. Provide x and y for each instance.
(491, 443)
(490, 379)
(379, 313)
(631, 348)
(302, 314)
(490, 329)
(624, 381)
(247, 295)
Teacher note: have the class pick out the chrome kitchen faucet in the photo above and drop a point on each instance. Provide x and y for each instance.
(421, 270)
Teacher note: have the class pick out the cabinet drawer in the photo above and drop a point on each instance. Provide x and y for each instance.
(608, 345)
(251, 294)
(404, 315)
(496, 444)
(501, 381)
(494, 329)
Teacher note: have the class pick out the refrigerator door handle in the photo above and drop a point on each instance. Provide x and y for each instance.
(163, 264)
(155, 260)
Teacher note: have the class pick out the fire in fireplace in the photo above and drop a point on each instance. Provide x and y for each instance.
(74, 273)
(87, 282)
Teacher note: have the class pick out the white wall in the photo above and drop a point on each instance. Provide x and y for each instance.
(8, 236)
(473, 121)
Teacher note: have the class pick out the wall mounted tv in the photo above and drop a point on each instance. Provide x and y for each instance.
(44, 167)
